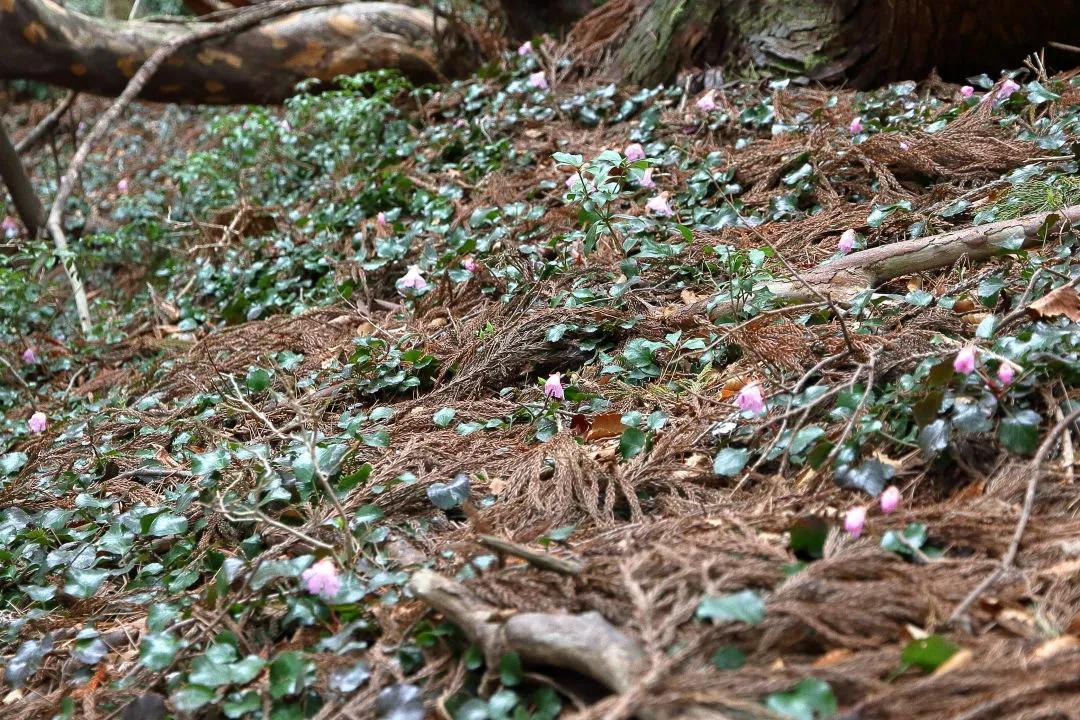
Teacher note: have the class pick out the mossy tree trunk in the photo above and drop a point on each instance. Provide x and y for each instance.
(865, 42)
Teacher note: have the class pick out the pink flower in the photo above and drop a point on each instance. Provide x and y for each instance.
(322, 579)
(412, 280)
(1005, 373)
(706, 102)
(469, 264)
(538, 80)
(750, 399)
(965, 361)
(9, 226)
(904, 146)
(525, 49)
(286, 126)
(856, 126)
(659, 205)
(37, 423)
(553, 386)
(461, 122)
(122, 186)
(380, 219)
(890, 499)
(854, 521)
(28, 356)
(1007, 88)
(634, 151)
(847, 240)
(646, 180)
(967, 91)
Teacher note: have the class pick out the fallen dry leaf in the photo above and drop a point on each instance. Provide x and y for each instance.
(732, 386)
(1055, 303)
(605, 425)
(833, 657)
(959, 659)
(1055, 646)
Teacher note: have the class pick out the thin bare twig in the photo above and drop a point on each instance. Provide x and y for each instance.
(1036, 470)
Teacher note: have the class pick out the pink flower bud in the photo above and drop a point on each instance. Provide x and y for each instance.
(634, 152)
(847, 240)
(1007, 88)
(646, 180)
(322, 579)
(553, 386)
(750, 399)
(9, 226)
(412, 280)
(461, 122)
(37, 423)
(967, 91)
(706, 102)
(965, 361)
(380, 219)
(538, 80)
(854, 521)
(659, 206)
(28, 356)
(469, 264)
(525, 49)
(1005, 373)
(890, 499)
(856, 126)
(122, 186)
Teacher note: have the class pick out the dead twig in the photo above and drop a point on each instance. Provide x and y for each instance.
(540, 560)
(1036, 469)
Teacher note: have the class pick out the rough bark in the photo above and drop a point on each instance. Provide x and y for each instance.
(865, 42)
(43, 41)
(18, 184)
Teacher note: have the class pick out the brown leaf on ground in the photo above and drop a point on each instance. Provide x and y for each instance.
(1062, 301)
(606, 425)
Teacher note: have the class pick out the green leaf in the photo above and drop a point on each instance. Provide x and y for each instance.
(1038, 94)
(258, 379)
(444, 417)
(1020, 432)
(879, 213)
(348, 482)
(728, 657)
(919, 298)
(208, 462)
(510, 669)
(934, 438)
(929, 653)
(379, 438)
(808, 534)
(272, 569)
(368, 514)
(561, 533)
(562, 158)
(12, 462)
(501, 703)
(870, 477)
(83, 583)
(157, 650)
(288, 675)
(729, 462)
(190, 698)
(811, 699)
(987, 327)
(631, 442)
(804, 438)
(915, 534)
(744, 606)
(250, 702)
(639, 352)
(447, 496)
(168, 524)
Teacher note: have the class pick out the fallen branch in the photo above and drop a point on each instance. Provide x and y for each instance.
(845, 278)
(18, 184)
(585, 643)
(1036, 469)
(540, 560)
(47, 125)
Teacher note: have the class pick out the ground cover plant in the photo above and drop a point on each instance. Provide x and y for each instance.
(382, 380)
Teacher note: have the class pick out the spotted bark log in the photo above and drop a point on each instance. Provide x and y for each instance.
(46, 42)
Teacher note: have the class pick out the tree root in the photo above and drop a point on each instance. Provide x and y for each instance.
(585, 643)
(845, 278)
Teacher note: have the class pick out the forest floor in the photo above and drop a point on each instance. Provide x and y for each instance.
(260, 391)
